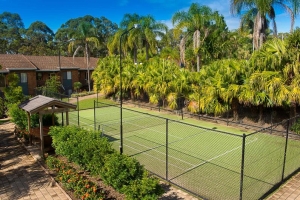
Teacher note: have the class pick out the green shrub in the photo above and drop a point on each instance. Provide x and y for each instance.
(47, 120)
(81, 146)
(95, 153)
(147, 188)
(2, 107)
(119, 170)
(18, 116)
(296, 127)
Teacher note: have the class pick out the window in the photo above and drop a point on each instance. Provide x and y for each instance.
(23, 78)
(69, 75)
(51, 74)
(39, 76)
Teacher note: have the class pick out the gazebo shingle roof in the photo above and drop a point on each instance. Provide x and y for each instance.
(40, 102)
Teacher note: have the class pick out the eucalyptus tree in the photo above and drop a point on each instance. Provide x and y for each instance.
(264, 11)
(85, 38)
(198, 21)
(37, 38)
(11, 26)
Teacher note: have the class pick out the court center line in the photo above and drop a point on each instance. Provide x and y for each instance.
(227, 152)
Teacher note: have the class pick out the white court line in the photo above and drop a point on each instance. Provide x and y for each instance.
(229, 151)
(116, 121)
(153, 130)
(154, 149)
(162, 160)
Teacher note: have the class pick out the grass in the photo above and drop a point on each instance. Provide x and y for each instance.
(200, 159)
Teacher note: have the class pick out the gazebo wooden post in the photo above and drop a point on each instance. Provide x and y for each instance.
(67, 118)
(53, 117)
(29, 125)
(41, 134)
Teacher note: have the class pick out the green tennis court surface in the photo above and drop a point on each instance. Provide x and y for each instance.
(206, 161)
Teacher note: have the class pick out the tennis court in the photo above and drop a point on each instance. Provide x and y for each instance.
(206, 162)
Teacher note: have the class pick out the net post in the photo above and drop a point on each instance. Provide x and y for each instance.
(242, 166)
(94, 115)
(167, 146)
(78, 110)
(285, 148)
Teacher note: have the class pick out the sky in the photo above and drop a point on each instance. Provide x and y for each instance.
(54, 13)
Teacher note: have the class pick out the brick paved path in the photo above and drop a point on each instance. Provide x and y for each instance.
(289, 191)
(21, 176)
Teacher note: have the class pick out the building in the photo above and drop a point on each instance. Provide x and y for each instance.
(35, 70)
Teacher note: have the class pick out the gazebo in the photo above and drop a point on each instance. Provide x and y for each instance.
(45, 105)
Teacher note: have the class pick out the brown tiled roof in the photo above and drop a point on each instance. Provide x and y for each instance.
(81, 62)
(50, 63)
(43, 63)
(15, 62)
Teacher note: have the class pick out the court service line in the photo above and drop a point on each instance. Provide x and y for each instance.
(162, 160)
(154, 149)
(153, 130)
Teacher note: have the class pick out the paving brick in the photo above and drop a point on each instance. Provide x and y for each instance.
(22, 177)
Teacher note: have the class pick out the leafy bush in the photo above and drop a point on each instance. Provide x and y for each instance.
(77, 86)
(95, 153)
(296, 127)
(18, 116)
(81, 146)
(2, 107)
(145, 188)
(47, 120)
(120, 170)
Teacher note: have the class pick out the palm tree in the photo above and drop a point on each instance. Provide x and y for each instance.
(197, 21)
(264, 10)
(85, 37)
(106, 75)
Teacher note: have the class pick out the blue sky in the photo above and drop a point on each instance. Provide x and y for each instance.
(56, 12)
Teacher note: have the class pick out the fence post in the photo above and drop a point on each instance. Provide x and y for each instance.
(94, 115)
(242, 166)
(167, 142)
(78, 110)
(285, 148)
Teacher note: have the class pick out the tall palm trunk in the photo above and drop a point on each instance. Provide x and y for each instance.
(260, 116)
(182, 51)
(234, 107)
(135, 53)
(196, 40)
(293, 112)
(87, 65)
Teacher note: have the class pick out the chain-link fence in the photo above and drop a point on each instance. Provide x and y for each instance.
(208, 163)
